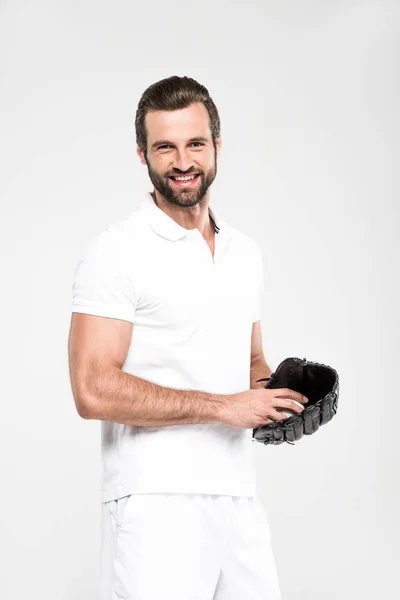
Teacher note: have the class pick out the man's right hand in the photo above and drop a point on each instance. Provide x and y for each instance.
(256, 407)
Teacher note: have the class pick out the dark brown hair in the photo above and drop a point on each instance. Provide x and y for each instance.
(174, 93)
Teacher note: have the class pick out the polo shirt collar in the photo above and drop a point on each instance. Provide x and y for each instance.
(167, 227)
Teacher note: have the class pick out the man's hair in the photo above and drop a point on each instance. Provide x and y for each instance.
(174, 93)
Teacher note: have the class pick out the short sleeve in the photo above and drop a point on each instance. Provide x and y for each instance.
(259, 282)
(102, 284)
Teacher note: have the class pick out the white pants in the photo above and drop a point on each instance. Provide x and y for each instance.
(186, 547)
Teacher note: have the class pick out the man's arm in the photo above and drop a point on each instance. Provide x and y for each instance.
(258, 367)
(97, 349)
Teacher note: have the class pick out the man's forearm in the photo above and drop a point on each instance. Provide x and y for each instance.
(124, 398)
(258, 370)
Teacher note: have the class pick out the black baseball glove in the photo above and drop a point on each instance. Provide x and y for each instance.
(319, 383)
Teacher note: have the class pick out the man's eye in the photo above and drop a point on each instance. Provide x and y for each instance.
(169, 146)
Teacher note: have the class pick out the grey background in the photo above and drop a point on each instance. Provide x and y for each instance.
(308, 94)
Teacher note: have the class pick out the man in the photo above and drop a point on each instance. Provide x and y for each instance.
(165, 349)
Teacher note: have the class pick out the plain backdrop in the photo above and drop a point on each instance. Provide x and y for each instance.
(308, 95)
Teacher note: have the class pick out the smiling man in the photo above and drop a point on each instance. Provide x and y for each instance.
(165, 349)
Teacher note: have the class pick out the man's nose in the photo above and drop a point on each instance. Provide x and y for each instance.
(182, 161)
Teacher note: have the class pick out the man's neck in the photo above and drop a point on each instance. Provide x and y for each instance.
(209, 230)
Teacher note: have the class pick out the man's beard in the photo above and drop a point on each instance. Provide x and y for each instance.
(184, 196)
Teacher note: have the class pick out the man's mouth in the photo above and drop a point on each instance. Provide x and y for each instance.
(185, 181)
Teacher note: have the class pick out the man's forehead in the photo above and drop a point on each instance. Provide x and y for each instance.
(178, 122)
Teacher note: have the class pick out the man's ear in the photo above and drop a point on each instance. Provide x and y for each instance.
(218, 143)
(140, 154)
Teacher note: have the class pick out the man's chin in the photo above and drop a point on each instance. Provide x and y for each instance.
(182, 196)
(184, 199)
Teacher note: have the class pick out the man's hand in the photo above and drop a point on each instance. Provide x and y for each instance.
(257, 407)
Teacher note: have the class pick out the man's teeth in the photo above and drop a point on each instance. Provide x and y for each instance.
(184, 178)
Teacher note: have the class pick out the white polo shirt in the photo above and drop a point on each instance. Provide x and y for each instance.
(192, 320)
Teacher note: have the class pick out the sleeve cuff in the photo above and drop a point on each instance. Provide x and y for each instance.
(102, 311)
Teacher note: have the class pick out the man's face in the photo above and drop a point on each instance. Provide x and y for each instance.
(179, 143)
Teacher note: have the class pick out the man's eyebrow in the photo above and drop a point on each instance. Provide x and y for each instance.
(193, 139)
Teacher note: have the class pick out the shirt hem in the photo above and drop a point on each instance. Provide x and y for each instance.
(119, 491)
